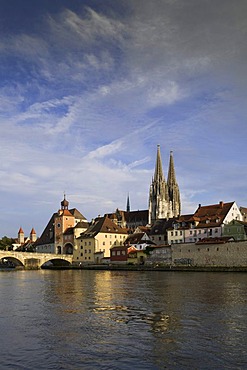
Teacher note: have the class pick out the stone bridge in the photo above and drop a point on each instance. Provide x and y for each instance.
(35, 260)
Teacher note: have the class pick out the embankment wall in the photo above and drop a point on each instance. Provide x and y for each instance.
(232, 254)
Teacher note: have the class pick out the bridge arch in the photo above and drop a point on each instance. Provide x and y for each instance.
(36, 260)
(56, 262)
(12, 261)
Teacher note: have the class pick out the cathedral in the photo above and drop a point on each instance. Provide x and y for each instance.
(164, 197)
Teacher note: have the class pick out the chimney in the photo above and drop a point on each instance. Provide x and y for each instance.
(221, 204)
(199, 205)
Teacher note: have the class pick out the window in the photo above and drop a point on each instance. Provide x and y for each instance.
(190, 232)
(58, 225)
(81, 254)
(85, 250)
(89, 251)
(81, 247)
(113, 253)
(159, 237)
(103, 243)
(216, 230)
(89, 243)
(105, 236)
(176, 233)
(181, 233)
(123, 253)
(85, 243)
(118, 253)
(171, 233)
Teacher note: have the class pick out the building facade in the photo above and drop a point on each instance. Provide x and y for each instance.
(95, 243)
(164, 198)
(207, 222)
(61, 231)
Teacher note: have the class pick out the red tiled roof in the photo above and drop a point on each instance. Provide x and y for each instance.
(66, 212)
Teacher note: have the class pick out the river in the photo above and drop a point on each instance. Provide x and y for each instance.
(123, 320)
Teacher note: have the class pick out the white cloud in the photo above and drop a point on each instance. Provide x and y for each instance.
(92, 94)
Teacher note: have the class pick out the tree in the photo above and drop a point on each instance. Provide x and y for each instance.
(6, 242)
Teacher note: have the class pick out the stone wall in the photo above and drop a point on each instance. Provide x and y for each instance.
(232, 254)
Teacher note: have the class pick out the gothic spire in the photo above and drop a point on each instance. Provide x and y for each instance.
(158, 174)
(171, 179)
(173, 188)
(128, 204)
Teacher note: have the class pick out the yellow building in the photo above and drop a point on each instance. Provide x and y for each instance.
(95, 243)
(136, 257)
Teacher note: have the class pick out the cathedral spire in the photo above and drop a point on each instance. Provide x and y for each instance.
(164, 198)
(158, 174)
(173, 189)
(171, 179)
(159, 205)
(128, 204)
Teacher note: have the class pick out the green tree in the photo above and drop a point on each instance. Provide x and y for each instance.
(6, 242)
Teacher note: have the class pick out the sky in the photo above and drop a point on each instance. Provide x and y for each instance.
(89, 88)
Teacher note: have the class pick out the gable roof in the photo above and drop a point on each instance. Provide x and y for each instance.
(137, 239)
(130, 217)
(103, 225)
(212, 215)
(160, 226)
(47, 237)
(77, 214)
(82, 225)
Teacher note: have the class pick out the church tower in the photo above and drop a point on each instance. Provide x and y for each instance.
(173, 189)
(159, 205)
(164, 198)
(21, 238)
(33, 235)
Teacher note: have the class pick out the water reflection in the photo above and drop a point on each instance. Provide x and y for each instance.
(123, 320)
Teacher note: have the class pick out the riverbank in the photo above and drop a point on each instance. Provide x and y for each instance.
(152, 268)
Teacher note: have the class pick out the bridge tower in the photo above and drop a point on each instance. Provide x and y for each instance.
(63, 221)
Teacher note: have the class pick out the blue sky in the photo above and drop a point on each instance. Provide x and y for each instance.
(89, 88)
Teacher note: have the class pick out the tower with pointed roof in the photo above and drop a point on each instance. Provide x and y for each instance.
(173, 189)
(128, 204)
(164, 198)
(63, 221)
(33, 235)
(21, 237)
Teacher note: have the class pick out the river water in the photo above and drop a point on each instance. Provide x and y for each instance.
(122, 320)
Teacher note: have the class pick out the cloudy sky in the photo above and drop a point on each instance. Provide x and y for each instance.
(88, 89)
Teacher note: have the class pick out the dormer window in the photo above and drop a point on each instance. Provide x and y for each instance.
(207, 221)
